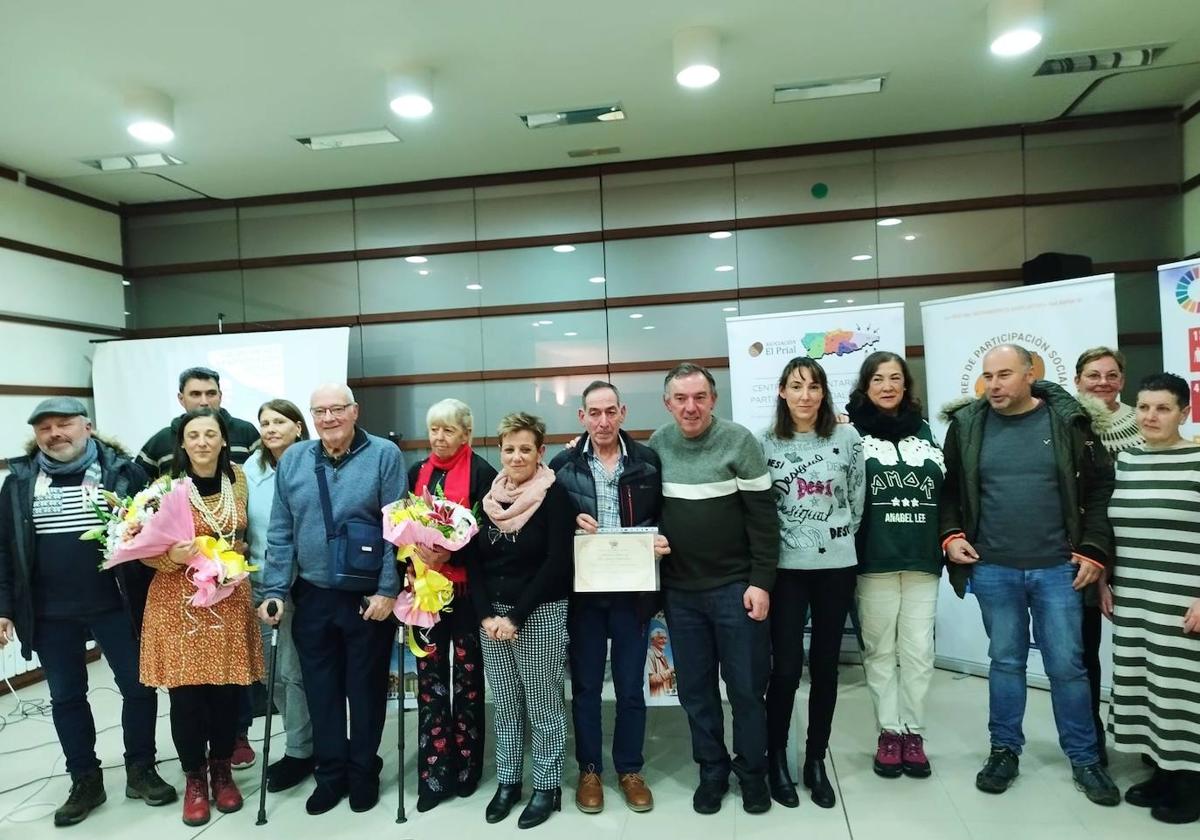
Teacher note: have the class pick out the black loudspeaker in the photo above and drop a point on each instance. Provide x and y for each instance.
(1046, 268)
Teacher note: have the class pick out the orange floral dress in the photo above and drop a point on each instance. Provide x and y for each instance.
(185, 645)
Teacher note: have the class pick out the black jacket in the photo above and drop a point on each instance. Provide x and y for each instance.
(640, 494)
(18, 543)
(1085, 476)
(158, 453)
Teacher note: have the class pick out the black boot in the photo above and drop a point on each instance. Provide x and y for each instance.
(87, 792)
(783, 789)
(1182, 805)
(143, 782)
(502, 803)
(541, 805)
(817, 781)
(1154, 791)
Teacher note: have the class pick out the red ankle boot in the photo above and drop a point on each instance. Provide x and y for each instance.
(224, 790)
(195, 798)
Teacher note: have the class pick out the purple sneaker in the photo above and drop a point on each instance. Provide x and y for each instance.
(912, 748)
(888, 761)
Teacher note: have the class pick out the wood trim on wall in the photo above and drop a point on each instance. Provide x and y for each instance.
(61, 256)
(654, 231)
(1189, 112)
(71, 195)
(1190, 184)
(44, 390)
(1116, 119)
(54, 323)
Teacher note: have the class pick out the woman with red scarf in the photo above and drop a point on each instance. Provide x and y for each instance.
(450, 720)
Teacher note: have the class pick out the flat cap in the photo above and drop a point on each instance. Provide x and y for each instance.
(58, 407)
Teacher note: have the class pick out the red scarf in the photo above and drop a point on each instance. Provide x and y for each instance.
(457, 484)
(456, 487)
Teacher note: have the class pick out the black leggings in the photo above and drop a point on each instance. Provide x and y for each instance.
(828, 595)
(204, 721)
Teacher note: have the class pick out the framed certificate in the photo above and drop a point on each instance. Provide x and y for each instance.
(616, 560)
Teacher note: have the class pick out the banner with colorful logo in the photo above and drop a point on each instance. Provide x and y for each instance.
(761, 345)
(1179, 302)
(1055, 322)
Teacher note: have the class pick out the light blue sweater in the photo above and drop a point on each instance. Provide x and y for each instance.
(260, 487)
(369, 477)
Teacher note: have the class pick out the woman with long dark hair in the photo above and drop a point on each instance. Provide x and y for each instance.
(816, 468)
(280, 423)
(203, 656)
(899, 558)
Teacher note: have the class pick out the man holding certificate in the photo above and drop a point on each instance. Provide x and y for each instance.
(615, 487)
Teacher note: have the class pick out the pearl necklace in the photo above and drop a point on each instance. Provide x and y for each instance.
(224, 516)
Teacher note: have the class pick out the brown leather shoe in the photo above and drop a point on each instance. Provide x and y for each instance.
(589, 798)
(637, 795)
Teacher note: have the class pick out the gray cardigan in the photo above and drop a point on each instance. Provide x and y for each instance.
(370, 476)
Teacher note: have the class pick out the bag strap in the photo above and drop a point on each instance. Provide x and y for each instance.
(326, 506)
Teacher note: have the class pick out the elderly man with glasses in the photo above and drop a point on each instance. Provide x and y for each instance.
(325, 543)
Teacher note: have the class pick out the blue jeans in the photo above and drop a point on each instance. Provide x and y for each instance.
(710, 630)
(594, 619)
(60, 645)
(1007, 599)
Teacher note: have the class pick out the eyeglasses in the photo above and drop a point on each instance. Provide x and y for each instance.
(332, 410)
(1098, 377)
(495, 535)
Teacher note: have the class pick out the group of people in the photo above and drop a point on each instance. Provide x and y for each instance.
(760, 536)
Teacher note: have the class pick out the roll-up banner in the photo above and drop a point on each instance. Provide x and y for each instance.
(1055, 322)
(1179, 302)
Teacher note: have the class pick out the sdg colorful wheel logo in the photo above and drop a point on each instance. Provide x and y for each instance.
(1187, 290)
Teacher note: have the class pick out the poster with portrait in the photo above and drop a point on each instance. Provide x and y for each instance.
(839, 338)
(660, 685)
(1179, 303)
(1055, 322)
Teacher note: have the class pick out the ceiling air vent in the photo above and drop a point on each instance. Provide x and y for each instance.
(139, 160)
(348, 139)
(581, 153)
(574, 116)
(802, 91)
(1090, 62)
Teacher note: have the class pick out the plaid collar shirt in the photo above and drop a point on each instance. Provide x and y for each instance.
(608, 502)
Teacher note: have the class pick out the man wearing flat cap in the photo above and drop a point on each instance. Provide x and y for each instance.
(55, 597)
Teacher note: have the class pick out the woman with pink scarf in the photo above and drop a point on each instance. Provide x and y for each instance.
(520, 572)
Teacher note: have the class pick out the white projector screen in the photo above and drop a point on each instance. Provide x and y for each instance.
(136, 383)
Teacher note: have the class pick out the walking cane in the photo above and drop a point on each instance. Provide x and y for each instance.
(272, 609)
(400, 692)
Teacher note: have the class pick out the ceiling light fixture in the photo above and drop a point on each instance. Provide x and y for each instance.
(830, 300)
(861, 257)
(595, 279)
(135, 160)
(729, 309)
(424, 272)
(347, 139)
(563, 249)
(571, 334)
(909, 237)
(720, 234)
(150, 116)
(474, 287)
(573, 116)
(723, 268)
(1014, 27)
(637, 315)
(410, 93)
(545, 323)
(803, 91)
(417, 260)
(695, 53)
(648, 327)
(126, 283)
(849, 300)
(889, 222)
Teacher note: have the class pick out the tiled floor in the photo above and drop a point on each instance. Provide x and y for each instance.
(1042, 804)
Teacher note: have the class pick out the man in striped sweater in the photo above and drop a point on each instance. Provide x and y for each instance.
(719, 517)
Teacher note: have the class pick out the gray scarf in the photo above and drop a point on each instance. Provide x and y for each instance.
(49, 466)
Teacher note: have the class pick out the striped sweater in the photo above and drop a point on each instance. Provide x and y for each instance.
(718, 512)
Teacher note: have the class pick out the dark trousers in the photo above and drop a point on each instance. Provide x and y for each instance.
(203, 723)
(344, 661)
(827, 594)
(60, 645)
(450, 716)
(594, 619)
(710, 634)
(1091, 662)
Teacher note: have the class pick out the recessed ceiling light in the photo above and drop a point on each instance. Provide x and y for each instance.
(423, 272)
(151, 132)
(729, 309)
(537, 323)
(127, 312)
(889, 222)
(720, 234)
(410, 93)
(475, 287)
(695, 54)
(849, 300)
(830, 300)
(1014, 26)
(595, 279)
(636, 315)
(545, 323)
(909, 237)
(563, 249)
(411, 107)
(571, 334)
(416, 260)
(648, 327)
(126, 283)
(861, 257)
(150, 116)
(723, 268)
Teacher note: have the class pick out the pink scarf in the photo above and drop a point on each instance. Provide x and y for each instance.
(510, 505)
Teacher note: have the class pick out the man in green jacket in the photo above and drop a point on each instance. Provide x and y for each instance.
(1023, 522)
